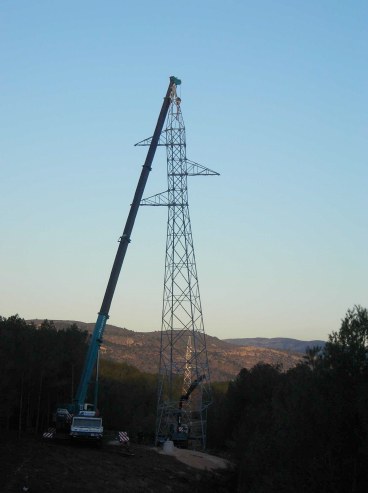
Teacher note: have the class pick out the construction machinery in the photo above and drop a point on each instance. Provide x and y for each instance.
(81, 419)
(180, 432)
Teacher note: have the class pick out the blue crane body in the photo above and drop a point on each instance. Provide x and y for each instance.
(79, 407)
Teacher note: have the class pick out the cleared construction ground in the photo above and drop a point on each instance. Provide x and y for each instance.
(33, 465)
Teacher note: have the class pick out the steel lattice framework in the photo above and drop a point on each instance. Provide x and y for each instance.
(181, 367)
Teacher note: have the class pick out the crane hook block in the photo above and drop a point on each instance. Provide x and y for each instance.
(176, 81)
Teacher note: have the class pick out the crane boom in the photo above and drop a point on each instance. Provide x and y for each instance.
(124, 241)
(193, 386)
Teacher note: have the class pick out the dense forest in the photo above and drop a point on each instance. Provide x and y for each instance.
(303, 430)
(40, 367)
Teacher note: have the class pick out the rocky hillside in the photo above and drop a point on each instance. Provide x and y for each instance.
(279, 343)
(141, 349)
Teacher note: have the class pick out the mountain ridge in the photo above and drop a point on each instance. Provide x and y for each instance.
(280, 343)
(142, 349)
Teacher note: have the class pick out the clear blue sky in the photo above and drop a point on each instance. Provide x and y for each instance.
(274, 98)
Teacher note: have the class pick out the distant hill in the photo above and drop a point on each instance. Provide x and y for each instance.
(278, 343)
(142, 349)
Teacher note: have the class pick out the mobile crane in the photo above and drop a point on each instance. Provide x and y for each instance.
(79, 418)
(180, 433)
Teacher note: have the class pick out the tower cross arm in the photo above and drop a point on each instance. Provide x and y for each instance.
(160, 199)
(195, 169)
(147, 142)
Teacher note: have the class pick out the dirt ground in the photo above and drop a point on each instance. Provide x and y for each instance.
(196, 459)
(37, 466)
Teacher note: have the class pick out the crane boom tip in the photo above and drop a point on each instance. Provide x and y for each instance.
(175, 80)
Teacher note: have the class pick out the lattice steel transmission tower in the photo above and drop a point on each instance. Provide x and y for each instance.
(184, 391)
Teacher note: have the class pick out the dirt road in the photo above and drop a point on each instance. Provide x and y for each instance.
(196, 459)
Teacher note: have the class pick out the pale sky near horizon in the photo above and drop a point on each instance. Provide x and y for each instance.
(274, 98)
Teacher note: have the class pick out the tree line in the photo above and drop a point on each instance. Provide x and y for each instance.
(40, 367)
(303, 430)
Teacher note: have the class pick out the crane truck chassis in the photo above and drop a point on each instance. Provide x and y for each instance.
(86, 427)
